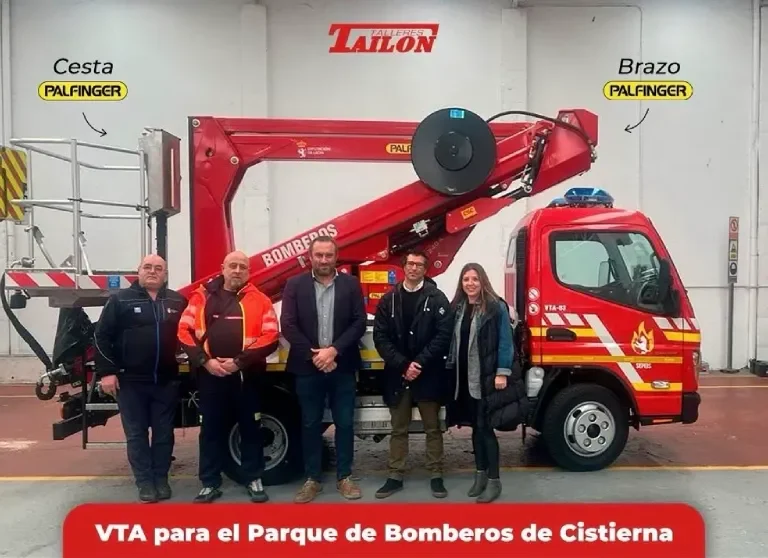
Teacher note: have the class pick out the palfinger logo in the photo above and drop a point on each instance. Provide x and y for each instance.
(395, 148)
(82, 91)
(648, 90)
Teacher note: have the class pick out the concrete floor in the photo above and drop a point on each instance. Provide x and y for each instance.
(719, 465)
(733, 503)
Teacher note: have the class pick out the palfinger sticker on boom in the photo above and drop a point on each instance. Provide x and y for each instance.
(685, 330)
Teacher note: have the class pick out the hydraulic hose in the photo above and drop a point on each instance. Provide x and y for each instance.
(32, 343)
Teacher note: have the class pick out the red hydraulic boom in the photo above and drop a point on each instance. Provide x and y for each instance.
(540, 154)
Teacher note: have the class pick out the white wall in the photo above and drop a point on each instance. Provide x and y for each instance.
(687, 166)
(476, 63)
(177, 58)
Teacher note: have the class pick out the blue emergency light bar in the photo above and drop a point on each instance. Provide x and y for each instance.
(584, 197)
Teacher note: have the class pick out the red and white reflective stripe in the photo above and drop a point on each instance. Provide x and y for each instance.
(556, 319)
(63, 280)
(677, 324)
(627, 368)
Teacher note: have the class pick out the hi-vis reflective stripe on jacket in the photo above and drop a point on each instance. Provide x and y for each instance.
(260, 324)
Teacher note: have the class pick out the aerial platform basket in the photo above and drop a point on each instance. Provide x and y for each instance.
(75, 282)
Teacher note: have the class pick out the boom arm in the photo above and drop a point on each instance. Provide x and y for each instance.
(541, 154)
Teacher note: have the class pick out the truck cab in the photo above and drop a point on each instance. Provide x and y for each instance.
(606, 329)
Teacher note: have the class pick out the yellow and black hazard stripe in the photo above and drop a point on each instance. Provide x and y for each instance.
(13, 182)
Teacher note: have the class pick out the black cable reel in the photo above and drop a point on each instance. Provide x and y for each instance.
(453, 151)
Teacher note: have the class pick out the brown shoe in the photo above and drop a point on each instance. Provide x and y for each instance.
(349, 489)
(308, 492)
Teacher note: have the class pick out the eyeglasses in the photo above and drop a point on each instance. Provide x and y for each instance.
(414, 264)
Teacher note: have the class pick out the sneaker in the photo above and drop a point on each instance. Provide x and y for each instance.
(308, 492)
(349, 489)
(148, 493)
(438, 488)
(256, 492)
(163, 489)
(389, 488)
(207, 495)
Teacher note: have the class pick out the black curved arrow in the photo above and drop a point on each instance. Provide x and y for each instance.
(629, 128)
(101, 132)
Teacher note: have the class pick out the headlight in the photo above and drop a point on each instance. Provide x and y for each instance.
(534, 380)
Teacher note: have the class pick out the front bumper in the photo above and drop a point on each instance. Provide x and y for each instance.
(690, 410)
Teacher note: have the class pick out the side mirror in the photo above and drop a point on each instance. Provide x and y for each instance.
(667, 295)
(661, 292)
(665, 280)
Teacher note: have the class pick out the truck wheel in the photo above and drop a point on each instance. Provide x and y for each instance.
(281, 431)
(585, 427)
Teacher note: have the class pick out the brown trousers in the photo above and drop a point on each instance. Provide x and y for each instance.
(398, 441)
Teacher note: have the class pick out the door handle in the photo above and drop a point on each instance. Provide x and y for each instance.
(560, 334)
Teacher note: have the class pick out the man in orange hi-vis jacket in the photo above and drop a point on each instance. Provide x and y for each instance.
(228, 330)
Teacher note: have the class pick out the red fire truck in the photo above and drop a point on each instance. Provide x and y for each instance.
(603, 325)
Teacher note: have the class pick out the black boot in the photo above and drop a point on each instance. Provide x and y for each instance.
(481, 480)
(148, 493)
(491, 492)
(163, 489)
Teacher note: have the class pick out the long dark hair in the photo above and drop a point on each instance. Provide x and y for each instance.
(487, 293)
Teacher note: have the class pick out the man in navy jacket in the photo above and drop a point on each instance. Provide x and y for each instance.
(136, 350)
(323, 318)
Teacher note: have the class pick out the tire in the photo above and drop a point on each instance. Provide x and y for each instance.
(281, 428)
(597, 407)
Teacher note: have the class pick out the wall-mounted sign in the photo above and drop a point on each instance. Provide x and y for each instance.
(384, 38)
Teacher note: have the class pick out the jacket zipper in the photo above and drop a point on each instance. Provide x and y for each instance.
(157, 335)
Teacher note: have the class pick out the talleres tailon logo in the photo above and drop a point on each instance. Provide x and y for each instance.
(383, 38)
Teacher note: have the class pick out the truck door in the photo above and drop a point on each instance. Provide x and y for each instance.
(598, 311)
(518, 282)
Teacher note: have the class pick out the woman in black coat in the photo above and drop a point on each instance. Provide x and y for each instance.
(489, 383)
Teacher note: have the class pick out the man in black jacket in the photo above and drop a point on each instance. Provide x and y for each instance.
(323, 318)
(136, 350)
(412, 334)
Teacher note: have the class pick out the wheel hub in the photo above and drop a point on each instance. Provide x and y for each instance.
(589, 429)
(275, 439)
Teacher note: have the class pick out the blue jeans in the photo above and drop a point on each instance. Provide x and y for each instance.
(145, 406)
(339, 387)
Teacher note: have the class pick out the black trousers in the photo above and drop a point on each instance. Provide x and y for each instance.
(484, 441)
(144, 407)
(225, 401)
